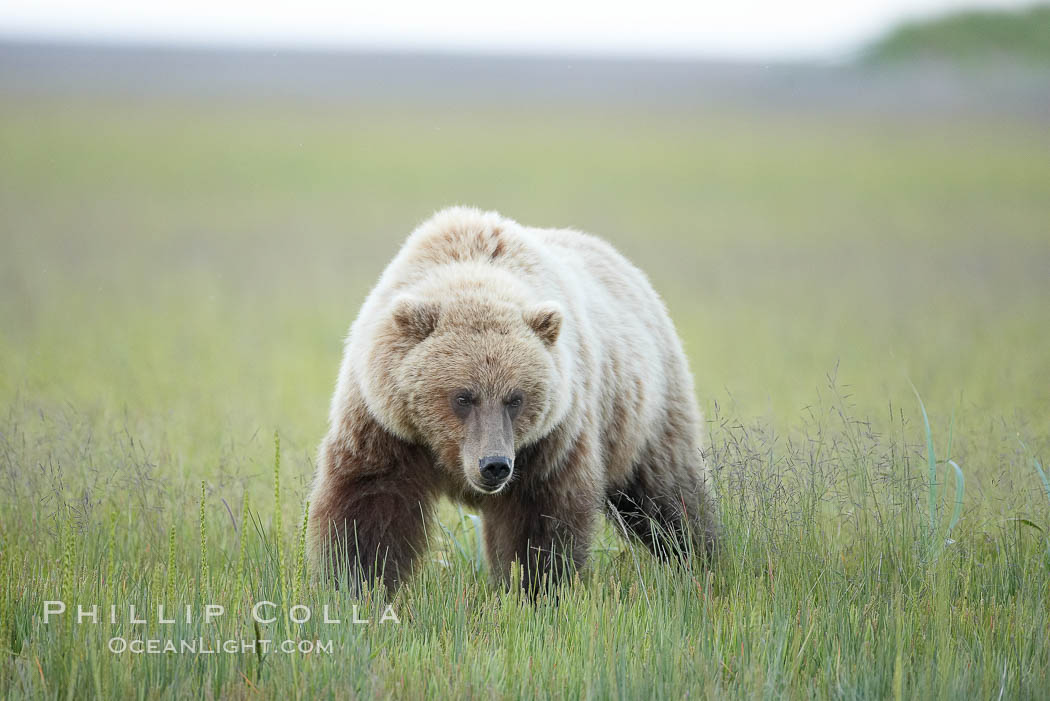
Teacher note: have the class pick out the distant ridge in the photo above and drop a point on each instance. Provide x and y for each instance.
(970, 37)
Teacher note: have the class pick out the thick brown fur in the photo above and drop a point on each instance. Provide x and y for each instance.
(609, 422)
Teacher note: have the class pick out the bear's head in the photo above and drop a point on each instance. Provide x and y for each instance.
(476, 379)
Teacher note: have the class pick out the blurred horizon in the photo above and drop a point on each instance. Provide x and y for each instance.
(467, 81)
(810, 31)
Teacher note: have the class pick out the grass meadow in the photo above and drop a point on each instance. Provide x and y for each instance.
(176, 278)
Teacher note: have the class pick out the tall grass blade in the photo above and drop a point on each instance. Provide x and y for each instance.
(1038, 468)
(277, 527)
(170, 588)
(204, 543)
(960, 488)
(300, 556)
(242, 544)
(931, 458)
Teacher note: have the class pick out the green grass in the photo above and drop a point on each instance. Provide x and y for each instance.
(176, 279)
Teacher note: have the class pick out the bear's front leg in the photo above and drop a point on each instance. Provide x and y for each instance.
(369, 508)
(547, 531)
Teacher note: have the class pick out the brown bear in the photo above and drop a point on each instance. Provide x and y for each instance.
(532, 374)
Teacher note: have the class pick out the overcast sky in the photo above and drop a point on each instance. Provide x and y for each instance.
(733, 29)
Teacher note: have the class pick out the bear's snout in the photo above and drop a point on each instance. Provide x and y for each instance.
(487, 451)
(495, 469)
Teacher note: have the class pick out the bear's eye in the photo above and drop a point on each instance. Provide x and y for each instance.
(462, 402)
(515, 401)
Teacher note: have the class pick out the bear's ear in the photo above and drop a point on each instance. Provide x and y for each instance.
(545, 320)
(416, 318)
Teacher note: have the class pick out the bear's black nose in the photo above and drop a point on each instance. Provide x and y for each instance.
(494, 469)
